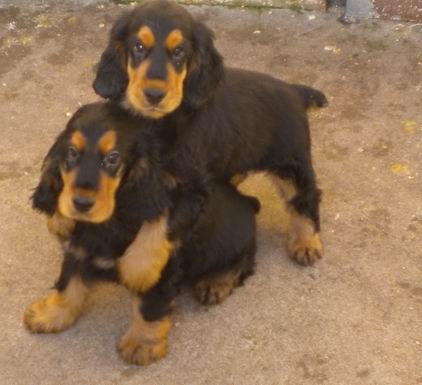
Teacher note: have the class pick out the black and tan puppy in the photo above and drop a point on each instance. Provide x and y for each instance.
(108, 198)
(162, 65)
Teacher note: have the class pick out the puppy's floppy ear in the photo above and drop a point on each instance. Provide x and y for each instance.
(206, 69)
(47, 192)
(112, 79)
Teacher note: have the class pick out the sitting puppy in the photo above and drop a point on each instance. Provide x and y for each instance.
(162, 65)
(102, 185)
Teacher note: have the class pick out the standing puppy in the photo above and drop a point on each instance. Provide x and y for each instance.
(106, 194)
(221, 123)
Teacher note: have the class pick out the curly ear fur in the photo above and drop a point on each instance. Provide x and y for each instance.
(144, 191)
(206, 69)
(47, 192)
(112, 79)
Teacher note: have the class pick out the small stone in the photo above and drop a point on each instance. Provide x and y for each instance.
(257, 32)
(360, 149)
(311, 17)
(68, 114)
(399, 27)
(410, 126)
(11, 26)
(101, 25)
(400, 168)
(332, 48)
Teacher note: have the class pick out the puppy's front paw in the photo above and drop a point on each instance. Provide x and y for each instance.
(306, 251)
(49, 315)
(144, 342)
(141, 351)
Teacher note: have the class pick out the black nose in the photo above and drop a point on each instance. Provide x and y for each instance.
(154, 95)
(82, 204)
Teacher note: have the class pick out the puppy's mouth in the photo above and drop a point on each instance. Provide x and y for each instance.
(154, 110)
(150, 111)
(78, 216)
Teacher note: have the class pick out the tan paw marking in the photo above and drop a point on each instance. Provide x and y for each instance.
(58, 311)
(60, 226)
(140, 351)
(306, 251)
(305, 246)
(144, 342)
(215, 289)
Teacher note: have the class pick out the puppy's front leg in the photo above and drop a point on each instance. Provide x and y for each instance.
(60, 309)
(141, 265)
(145, 341)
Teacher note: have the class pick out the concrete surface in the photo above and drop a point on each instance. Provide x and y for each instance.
(399, 9)
(320, 5)
(356, 318)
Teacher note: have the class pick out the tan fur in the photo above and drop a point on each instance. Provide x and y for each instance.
(174, 39)
(305, 244)
(107, 142)
(144, 342)
(57, 311)
(78, 252)
(78, 140)
(146, 36)
(104, 204)
(216, 288)
(138, 82)
(285, 187)
(141, 265)
(60, 226)
(104, 263)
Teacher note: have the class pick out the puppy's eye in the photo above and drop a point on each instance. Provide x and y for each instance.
(72, 155)
(111, 161)
(178, 53)
(140, 48)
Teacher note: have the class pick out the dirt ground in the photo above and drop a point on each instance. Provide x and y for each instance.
(355, 318)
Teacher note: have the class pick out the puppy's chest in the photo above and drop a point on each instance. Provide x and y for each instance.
(106, 241)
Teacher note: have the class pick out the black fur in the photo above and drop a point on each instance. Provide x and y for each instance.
(230, 121)
(224, 231)
(111, 80)
(205, 62)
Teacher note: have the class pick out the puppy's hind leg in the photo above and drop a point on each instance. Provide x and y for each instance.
(298, 187)
(215, 287)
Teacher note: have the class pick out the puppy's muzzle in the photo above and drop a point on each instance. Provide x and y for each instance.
(154, 95)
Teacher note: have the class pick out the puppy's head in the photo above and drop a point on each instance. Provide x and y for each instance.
(159, 57)
(84, 168)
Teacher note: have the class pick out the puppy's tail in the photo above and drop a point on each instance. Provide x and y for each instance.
(310, 96)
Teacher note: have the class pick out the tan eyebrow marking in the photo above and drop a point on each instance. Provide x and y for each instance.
(107, 142)
(78, 140)
(174, 39)
(146, 36)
